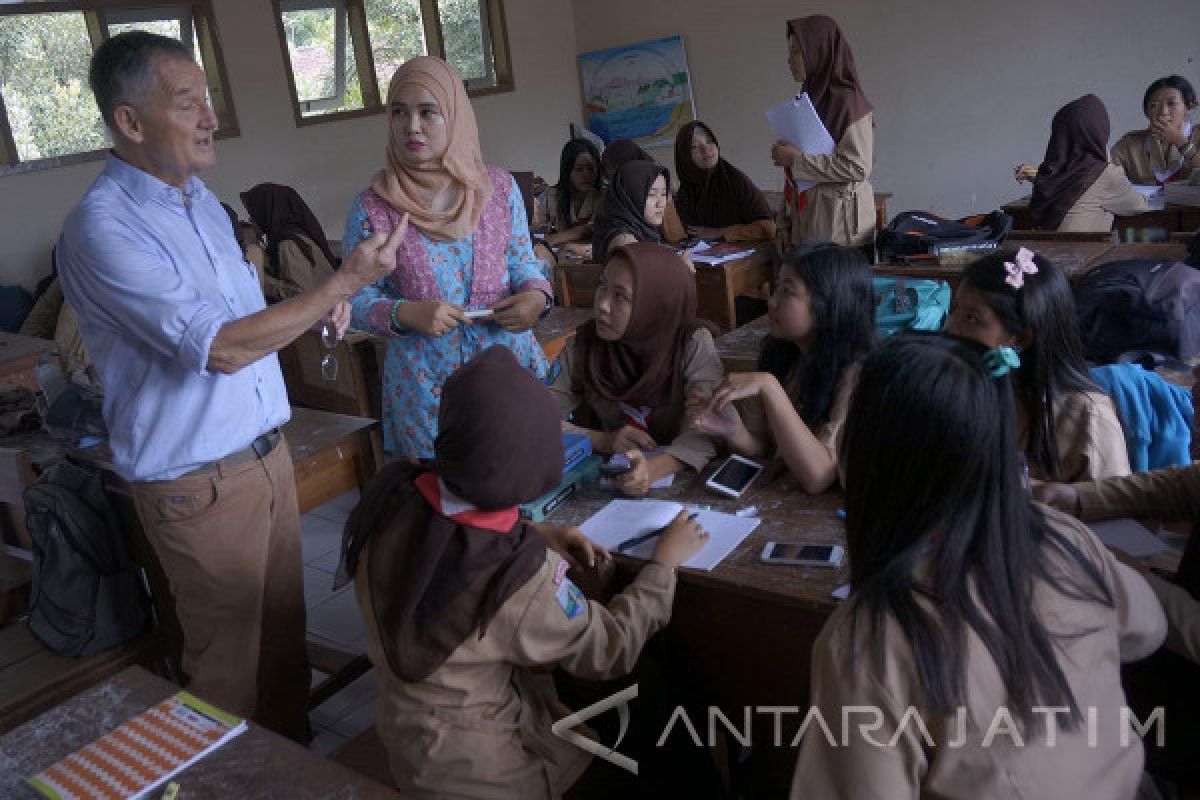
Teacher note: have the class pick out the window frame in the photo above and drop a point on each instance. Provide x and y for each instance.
(96, 15)
(494, 37)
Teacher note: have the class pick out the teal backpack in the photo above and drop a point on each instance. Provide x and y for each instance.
(904, 304)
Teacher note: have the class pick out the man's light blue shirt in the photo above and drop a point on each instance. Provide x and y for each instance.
(153, 278)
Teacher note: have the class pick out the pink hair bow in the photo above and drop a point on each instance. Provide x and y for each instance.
(1018, 271)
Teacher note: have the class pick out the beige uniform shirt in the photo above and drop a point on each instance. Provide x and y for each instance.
(1169, 495)
(479, 726)
(1091, 442)
(843, 675)
(1111, 195)
(545, 210)
(1140, 154)
(841, 207)
(669, 424)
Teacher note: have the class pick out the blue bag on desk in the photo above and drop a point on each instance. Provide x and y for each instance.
(88, 594)
(903, 304)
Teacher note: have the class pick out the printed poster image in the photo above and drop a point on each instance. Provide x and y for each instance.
(639, 91)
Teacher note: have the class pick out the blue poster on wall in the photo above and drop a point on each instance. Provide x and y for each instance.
(639, 91)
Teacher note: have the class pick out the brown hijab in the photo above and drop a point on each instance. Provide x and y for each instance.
(645, 366)
(715, 198)
(831, 78)
(433, 579)
(624, 209)
(1075, 157)
(405, 187)
(620, 153)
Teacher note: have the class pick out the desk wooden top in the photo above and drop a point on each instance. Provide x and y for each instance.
(788, 515)
(308, 432)
(1070, 257)
(14, 347)
(559, 323)
(256, 764)
(740, 347)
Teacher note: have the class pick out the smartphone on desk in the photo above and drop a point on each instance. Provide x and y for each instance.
(734, 477)
(804, 554)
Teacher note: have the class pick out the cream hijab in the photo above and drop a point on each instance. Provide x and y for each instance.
(404, 187)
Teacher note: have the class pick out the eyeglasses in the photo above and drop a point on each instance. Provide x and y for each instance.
(329, 364)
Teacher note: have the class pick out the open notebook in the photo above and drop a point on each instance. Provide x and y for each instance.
(622, 520)
(142, 753)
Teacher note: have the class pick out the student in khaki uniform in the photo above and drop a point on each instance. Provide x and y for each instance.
(1169, 149)
(465, 603)
(628, 372)
(822, 323)
(716, 200)
(634, 208)
(1172, 677)
(620, 153)
(1076, 188)
(841, 207)
(969, 604)
(566, 210)
(1067, 426)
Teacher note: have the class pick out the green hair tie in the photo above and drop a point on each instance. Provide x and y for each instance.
(1001, 360)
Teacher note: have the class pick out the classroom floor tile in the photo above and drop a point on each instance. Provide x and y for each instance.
(318, 586)
(361, 692)
(319, 536)
(325, 741)
(338, 508)
(339, 620)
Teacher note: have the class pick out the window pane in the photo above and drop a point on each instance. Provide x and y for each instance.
(43, 76)
(312, 45)
(462, 34)
(397, 34)
(163, 27)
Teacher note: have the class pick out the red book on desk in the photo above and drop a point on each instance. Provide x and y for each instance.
(142, 753)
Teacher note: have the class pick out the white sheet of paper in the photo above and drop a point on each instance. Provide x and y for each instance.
(841, 592)
(796, 121)
(622, 519)
(1129, 536)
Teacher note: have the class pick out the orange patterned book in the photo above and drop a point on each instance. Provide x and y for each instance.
(141, 754)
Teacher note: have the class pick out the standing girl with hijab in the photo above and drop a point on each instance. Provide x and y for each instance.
(467, 248)
(1076, 188)
(715, 199)
(840, 208)
(629, 371)
(463, 600)
(634, 208)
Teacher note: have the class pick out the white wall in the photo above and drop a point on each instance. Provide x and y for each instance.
(327, 163)
(962, 91)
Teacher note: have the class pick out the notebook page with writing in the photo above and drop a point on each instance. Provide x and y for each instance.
(622, 520)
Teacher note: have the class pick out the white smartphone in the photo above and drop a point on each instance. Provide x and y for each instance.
(479, 313)
(734, 476)
(804, 554)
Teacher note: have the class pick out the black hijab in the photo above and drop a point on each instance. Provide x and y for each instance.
(624, 209)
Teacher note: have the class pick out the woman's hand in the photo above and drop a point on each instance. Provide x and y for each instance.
(520, 312)
(579, 551)
(784, 154)
(740, 385)
(1168, 134)
(723, 422)
(682, 539)
(430, 317)
(628, 437)
(1025, 173)
(636, 482)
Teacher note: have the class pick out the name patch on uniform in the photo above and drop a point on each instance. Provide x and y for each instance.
(560, 572)
(570, 599)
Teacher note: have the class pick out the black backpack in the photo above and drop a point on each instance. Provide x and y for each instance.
(88, 595)
(921, 235)
(1137, 305)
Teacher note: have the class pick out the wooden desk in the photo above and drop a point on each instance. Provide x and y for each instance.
(19, 356)
(256, 764)
(718, 286)
(749, 627)
(1172, 218)
(331, 454)
(740, 347)
(559, 327)
(1070, 257)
